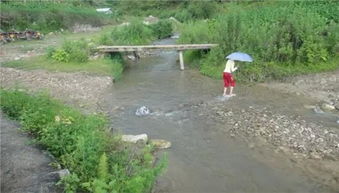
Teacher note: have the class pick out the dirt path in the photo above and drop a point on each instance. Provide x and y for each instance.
(24, 167)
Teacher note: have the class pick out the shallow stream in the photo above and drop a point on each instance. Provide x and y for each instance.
(202, 158)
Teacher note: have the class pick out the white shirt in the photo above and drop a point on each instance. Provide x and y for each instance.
(230, 66)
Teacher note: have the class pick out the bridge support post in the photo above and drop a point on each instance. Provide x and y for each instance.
(181, 58)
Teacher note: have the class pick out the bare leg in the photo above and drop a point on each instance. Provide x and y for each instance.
(231, 91)
(225, 91)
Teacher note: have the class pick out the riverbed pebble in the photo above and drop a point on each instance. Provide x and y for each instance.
(301, 137)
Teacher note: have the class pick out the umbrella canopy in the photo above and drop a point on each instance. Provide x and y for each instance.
(240, 56)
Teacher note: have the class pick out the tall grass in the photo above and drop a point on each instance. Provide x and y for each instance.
(97, 160)
(71, 51)
(47, 16)
(136, 33)
(182, 10)
(286, 34)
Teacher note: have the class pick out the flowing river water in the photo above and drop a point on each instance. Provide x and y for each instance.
(202, 158)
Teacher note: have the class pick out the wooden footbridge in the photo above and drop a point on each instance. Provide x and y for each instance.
(179, 47)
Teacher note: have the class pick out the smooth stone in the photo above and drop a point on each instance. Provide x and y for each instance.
(327, 107)
(134, 138)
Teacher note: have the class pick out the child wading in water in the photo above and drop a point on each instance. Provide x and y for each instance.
(229, 81)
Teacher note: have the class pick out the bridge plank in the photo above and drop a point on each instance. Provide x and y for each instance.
(125, 48)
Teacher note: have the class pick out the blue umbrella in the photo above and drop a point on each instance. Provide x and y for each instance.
(240, 56)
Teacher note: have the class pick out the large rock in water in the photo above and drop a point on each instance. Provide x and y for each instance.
(135, 138)
(327, 107)
(160, 143)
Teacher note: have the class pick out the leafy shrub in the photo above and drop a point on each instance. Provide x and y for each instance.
(162, 29)
(134, 34)
(97, 160)
(60, 55)
(71, 51)
(117, 65)
(78, 50)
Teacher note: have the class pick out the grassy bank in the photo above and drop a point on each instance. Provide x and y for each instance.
(73, 56)
(284, 38)
(97, 160)
(47, 16)
(104, 66)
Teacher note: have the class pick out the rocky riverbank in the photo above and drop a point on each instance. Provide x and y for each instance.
(323, 87)
(78, 89)
(303, 139)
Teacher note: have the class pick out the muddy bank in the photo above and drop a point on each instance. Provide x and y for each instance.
(78, 89)
(24, 168)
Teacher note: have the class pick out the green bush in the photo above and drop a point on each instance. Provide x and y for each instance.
(136, 33)
(162, 29)
(71, 51)
(78, 50)
(117, 66)
(97, 160)
(60, 55)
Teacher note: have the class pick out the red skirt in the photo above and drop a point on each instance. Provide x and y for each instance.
(228, 80)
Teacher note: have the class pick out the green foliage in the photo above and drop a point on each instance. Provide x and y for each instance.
(134, 34)
(98, 161)
(71, 51)
(196, 32)
(181, 10)
(279, 33)
(143, 8)
(103, 168)
(78, 50)
(71, 183)
(117, 67)
(60, 55)
(47, 16)
(162, 29)
(202, 9)
(50, 51)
